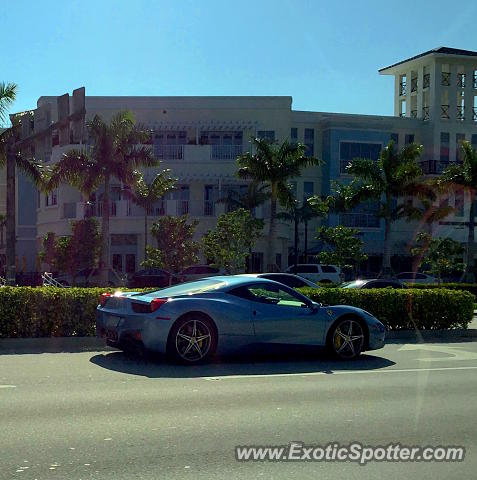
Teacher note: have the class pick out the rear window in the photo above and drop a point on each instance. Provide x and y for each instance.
(189, 288)
(307, 268)
(328, 269)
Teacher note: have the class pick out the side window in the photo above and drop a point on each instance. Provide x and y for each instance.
(274, 296)
(328, 269)
(420, 276)
(307, 269)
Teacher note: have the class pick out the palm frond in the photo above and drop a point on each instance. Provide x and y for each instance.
(8, 93)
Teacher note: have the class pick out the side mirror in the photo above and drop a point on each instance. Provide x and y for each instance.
(315, 307)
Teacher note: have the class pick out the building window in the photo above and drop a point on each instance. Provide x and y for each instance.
(309, 142)
(474, 141)
(308, 190)
(409, 138)
(351, 150)
(294, 135)
(266, 135)
(362, 216)
(210, 196)
(395, 139)
(444, 156)
(51, 199)
(257, 262)
(459, 137)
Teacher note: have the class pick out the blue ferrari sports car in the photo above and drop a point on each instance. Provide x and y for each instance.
(190, 322)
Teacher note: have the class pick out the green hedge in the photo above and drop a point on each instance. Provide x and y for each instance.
(423, 309)
(48, 311)
(467, 287)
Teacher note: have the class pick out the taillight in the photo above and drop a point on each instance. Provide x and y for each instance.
(104, 298)
(157, 302)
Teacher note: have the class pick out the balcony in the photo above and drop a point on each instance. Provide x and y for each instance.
(460, 115)
(209, 208)
(426, 81)
(434, 167)
(425, 113)
(169, 152)
(461, 80)
(413, 113)
(414, 84)
(402, 88)
(359, 220)
(225, 152)
(445, 79)
(474, 114)
(475, 80)
(445, 112)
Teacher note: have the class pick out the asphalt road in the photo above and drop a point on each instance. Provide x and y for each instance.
(101, 415)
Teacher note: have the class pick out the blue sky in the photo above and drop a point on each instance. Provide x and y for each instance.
(324, 54)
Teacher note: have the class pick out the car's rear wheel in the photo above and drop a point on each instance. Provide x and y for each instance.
(346, 338)
(193, 339)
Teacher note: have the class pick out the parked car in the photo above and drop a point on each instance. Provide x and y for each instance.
(190, 322)
(152, 277)
(415, 277)
(373, 283)
(89, 277)
(196, 272)
(317, 273)
(288, 279)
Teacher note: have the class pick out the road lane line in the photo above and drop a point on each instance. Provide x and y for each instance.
(340, 372)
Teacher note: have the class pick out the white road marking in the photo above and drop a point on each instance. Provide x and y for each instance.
(456, 353)
(8, 386)
(340, 372)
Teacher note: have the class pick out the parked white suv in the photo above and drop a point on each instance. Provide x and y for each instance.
(317, 273)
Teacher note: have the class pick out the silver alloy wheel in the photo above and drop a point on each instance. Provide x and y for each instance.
(193, 340)
(348, 339)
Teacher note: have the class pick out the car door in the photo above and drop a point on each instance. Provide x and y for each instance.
(281, 315)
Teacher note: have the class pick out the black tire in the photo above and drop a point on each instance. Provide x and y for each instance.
(346, 338)
(192, 339)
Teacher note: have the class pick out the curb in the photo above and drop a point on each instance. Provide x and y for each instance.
(52, 345)
(462, 335)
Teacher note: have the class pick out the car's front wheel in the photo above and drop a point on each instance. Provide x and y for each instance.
(346, 339)
(193, 339)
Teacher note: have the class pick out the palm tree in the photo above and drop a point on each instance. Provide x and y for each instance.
(463, 176)
(395, 175)
(145, 195)
(255, 196)
(118, 149)
(13, 157)
(274, 165)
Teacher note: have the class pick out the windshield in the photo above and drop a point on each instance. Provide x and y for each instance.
(189, 288)
(353, 284)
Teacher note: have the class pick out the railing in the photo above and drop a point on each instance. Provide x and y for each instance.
(225, 152)
(413, 113)
(182, 207)
(445, 111)
(359, 220)
(209, 208)
(49, 281)
(434, 167)
(96, 209)
(426, 80)
(460, 115)
(413, 84)
(425, 113)
(445, 79)
(402, 88)
(402, 114)
(461, 80)
(169, 152)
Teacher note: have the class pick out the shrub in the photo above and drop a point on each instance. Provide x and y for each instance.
(55, 312)
(467, 287)
(423, 309)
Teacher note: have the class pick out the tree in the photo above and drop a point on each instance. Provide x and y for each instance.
(79, 251)
(463, 176)
(118, 149)
(13, 157)
(346, 249)
(274, 165)
(145, 195)
(229, 243)
(175, 247)
(441, 255)
(387, 181)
